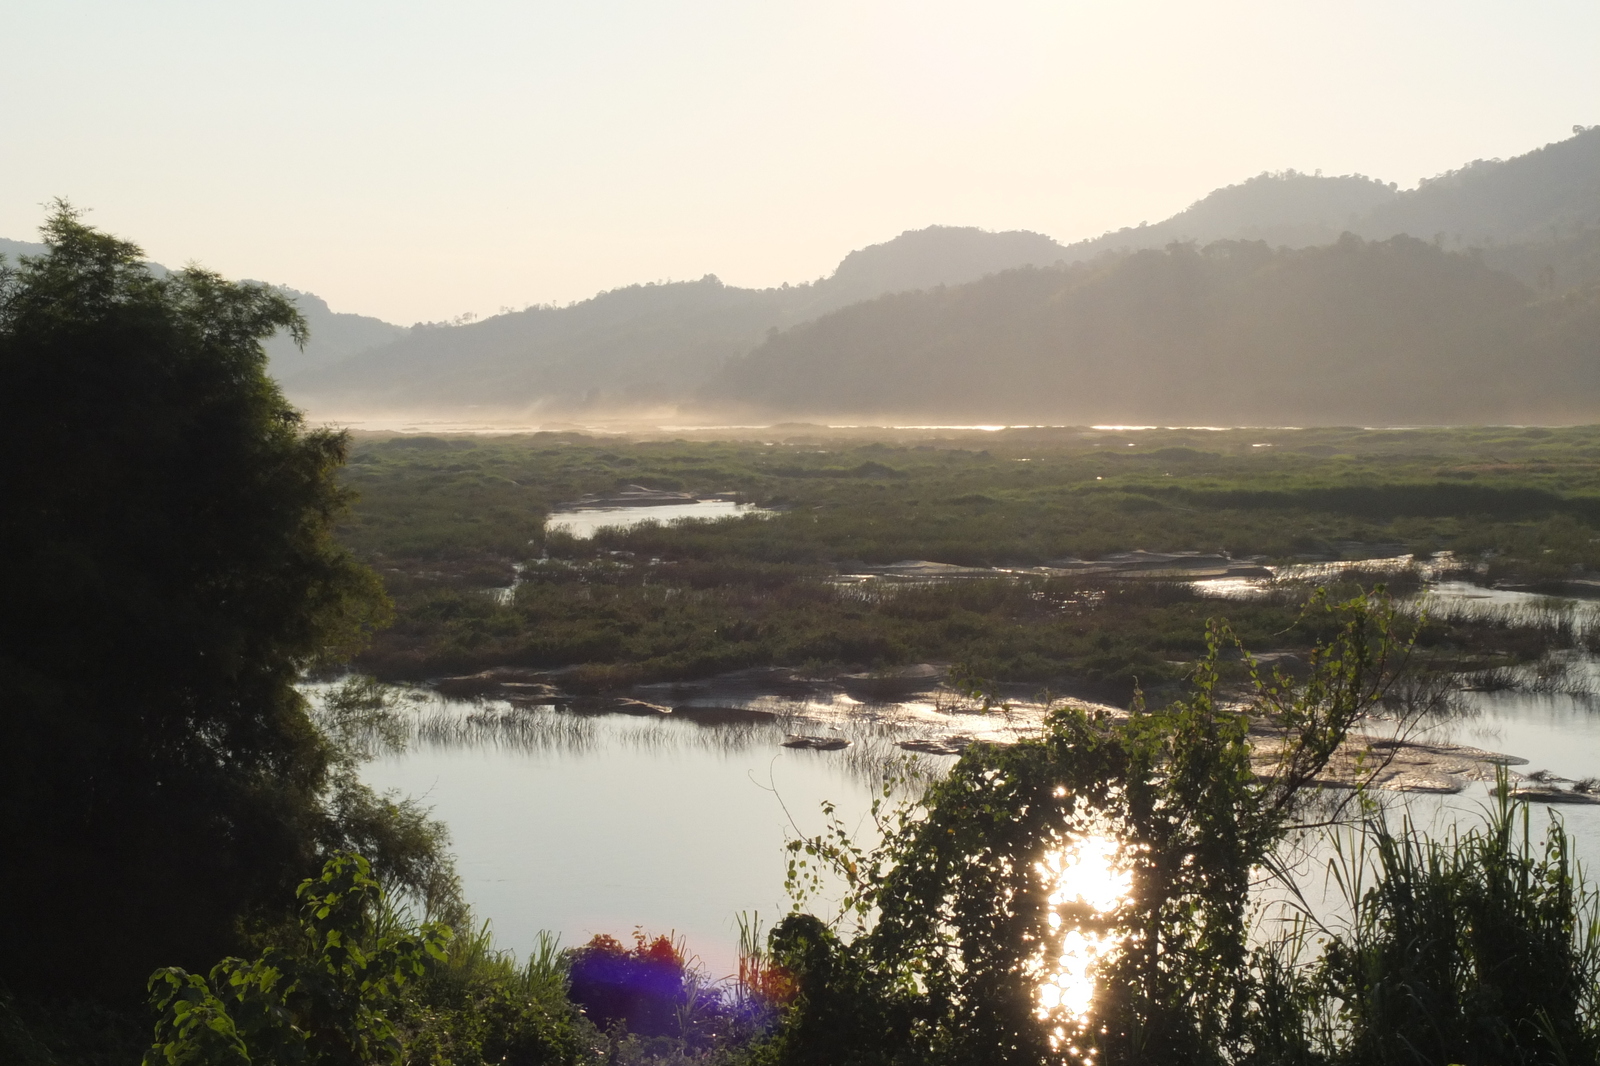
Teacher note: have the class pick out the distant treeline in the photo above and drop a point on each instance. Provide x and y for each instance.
(1235, 332)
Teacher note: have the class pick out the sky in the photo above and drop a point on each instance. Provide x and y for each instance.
(420, 160)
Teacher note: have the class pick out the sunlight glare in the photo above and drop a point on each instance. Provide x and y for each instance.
(1087, 886)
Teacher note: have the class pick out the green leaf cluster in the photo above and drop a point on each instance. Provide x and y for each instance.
(954, 911)
(325, 1003)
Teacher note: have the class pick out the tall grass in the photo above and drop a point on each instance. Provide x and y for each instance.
(1479, 947)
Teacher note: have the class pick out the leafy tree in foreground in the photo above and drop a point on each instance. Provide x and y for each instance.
(170, 571)
(327, 1001)
(1124, 848)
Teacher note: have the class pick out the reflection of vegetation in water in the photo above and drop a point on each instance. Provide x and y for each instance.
(391, 718)
(530, 729)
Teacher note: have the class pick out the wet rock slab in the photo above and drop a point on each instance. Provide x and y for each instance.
(632, 496)
(723, 715)
(1551, 794)
(938, 745)
(501, 682)
(1393, 764)
(815, 743)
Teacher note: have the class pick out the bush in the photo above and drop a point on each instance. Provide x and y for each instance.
(362, 985)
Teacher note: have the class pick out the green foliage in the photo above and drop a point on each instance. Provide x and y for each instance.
(480, 1008)
(359, 983)
(68, 1032)
(325, 1003)
(447, 520)
(407, 848)
(1482, 947)
(169, 523)
(959, 915)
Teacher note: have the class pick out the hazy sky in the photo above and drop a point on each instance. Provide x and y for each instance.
(418, 160)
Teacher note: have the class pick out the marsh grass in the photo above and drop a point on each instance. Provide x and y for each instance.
(1563, 621)
(1478, 945)
(526, 728)
(661, 602)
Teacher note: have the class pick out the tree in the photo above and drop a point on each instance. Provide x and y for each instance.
(1083, 897)
(170, 572)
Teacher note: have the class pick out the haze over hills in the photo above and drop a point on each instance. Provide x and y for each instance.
(854, 345)
(335, 336)
(644, 346)
(1232, 333)
(1543, 195)
(1287, 208)
(1383, 331)
(646, 349)
(10, 251)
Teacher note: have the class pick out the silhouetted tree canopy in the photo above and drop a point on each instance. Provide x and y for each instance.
(170, 573)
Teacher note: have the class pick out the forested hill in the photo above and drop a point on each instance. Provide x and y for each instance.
(335, 336)
(645, 349)
(938, 255)
(642, 346)
(1287, 208)
(1545, 194)
(1234, 333)
(11, 251)
(1536, 215)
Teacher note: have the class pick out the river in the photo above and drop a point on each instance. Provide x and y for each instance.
(600, 823)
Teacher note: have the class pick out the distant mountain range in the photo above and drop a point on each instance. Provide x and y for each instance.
(1474, 297)
(1276, 296)
(1230, 333)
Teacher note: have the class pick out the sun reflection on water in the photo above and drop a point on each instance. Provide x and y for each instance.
(1088, 883)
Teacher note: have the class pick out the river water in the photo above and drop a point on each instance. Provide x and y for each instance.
(584, 521)
(600, 823)
(628, 821)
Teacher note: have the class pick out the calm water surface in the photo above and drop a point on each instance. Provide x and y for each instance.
(643, 822)
(598, 824)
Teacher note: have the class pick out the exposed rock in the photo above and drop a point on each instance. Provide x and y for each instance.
(923, 570)
(507, 682)
(1134, 561)
(886, 686)
(938, 745)
(811, 743)
(737, 686)
(1547, 794)
(723, 715)
(1395, 765)
(615, 705)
